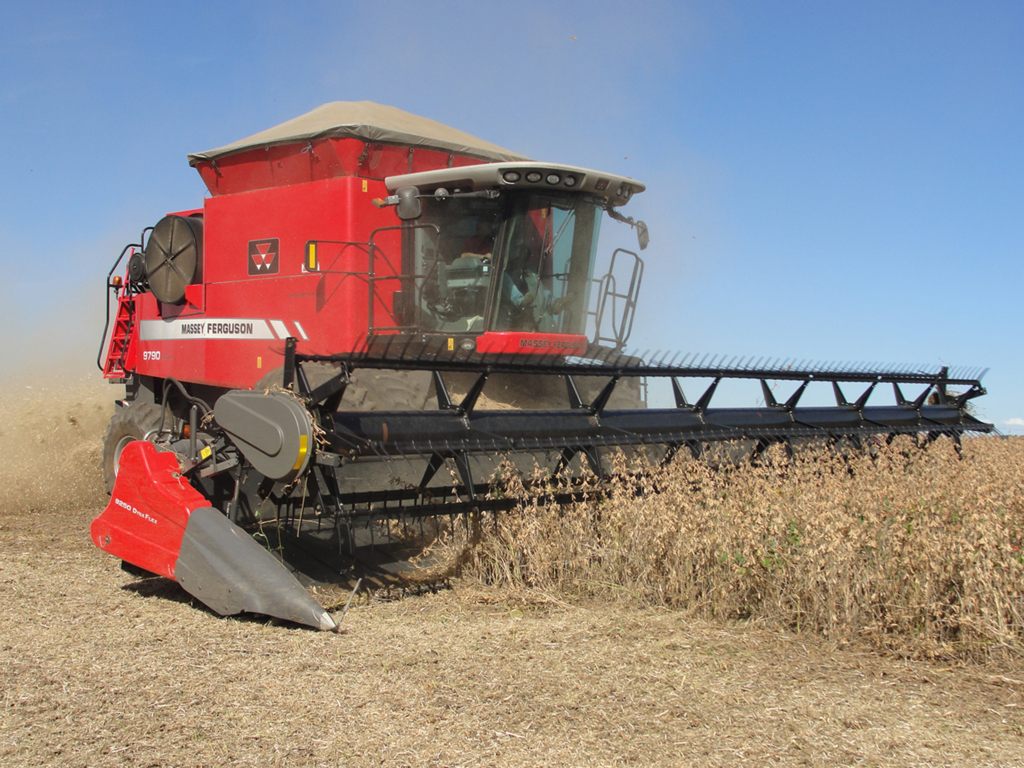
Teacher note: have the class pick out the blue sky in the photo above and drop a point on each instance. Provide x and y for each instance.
(826, 181)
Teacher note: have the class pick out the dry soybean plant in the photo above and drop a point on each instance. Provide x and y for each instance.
(920, 551)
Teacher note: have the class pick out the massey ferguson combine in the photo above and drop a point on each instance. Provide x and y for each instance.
(370, 314)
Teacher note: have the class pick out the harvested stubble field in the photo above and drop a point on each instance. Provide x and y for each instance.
(793, 614)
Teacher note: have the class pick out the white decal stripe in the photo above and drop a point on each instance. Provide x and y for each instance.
(204, 328)
(302, 331)
(280, 329)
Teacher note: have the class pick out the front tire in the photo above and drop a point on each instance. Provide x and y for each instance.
(137, 421)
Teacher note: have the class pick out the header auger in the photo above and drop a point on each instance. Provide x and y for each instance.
(372, 315)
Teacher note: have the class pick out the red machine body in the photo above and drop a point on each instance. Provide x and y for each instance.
(255, 291)
(252, 289)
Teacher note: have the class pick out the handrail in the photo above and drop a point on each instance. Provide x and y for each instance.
(398, 275)
(622, 326)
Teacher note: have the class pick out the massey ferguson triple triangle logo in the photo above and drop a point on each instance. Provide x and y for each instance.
(263, 257)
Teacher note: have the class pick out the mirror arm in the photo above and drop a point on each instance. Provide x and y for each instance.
(619, 217)
(642, 234)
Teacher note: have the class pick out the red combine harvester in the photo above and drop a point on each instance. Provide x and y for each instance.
(370, 314)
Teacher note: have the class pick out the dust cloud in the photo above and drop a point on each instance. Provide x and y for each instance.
(51, 438)
(54, 404)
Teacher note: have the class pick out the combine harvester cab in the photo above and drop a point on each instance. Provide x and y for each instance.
(370, 314)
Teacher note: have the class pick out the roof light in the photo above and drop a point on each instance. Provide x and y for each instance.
(534, 176)
(553, 178)
(602, 184)
(570, 181)
(511, 176)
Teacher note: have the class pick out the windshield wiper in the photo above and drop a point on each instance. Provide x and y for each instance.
(569, 216)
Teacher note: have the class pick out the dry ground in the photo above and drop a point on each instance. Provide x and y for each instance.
(100, 669)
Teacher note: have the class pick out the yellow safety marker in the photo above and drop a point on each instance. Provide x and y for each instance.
(451, 345)
(303, 448)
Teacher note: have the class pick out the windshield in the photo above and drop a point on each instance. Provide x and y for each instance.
(520, 262)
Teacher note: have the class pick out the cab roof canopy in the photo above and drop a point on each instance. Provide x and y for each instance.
(368, 122)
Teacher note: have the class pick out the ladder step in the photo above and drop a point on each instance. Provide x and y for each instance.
(119, 339)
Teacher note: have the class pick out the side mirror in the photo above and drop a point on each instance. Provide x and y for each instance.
(409, 205)
(643, 236)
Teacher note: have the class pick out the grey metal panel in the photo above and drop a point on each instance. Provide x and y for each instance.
(224, 568)
(492, 175)
(273, 431)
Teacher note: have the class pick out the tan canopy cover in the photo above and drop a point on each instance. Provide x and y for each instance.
(370, 122)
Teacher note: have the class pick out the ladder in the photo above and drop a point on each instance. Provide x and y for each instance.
(120, 339)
